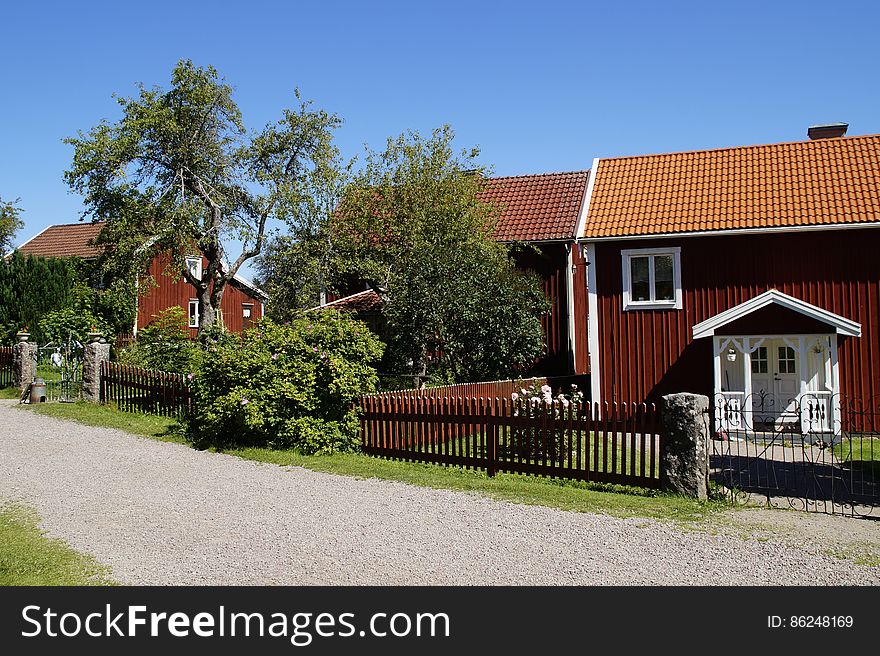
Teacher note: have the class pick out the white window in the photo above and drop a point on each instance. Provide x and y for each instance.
(759, 360)
(194, 264)
(193, 313)
(652, 279)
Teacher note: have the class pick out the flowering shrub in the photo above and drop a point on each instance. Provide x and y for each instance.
(164, 344)
(533, 442)
(285, 386)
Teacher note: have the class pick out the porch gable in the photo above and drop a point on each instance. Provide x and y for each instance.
(713, 325)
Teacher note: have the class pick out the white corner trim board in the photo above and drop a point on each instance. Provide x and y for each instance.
(593, 325)
(585, 206)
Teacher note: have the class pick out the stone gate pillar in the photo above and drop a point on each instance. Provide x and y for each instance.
(24, 362)
(95, 352)
(685, 456)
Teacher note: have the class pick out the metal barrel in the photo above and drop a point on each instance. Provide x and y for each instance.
(38, 391)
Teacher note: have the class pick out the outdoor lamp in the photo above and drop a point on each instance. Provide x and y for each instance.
(731, 355)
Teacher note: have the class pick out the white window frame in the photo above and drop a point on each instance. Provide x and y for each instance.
(193, 316)
(628, 303)
(197, 273)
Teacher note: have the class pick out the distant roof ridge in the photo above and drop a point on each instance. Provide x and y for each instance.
(536, 175)
(745, 147)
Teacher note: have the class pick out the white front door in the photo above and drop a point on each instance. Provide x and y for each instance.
(776, 382)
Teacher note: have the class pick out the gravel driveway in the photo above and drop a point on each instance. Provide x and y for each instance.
(160, 513)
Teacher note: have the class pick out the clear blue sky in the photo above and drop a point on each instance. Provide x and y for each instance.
(539, 86)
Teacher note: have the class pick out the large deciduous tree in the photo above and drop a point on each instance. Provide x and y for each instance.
(10, 223)
(412, 224)
(179, 171)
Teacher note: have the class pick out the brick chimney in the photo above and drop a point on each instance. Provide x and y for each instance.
(827, 131)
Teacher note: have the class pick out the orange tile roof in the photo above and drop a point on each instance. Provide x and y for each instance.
(821, 182)
(537, 207)
(69, 240)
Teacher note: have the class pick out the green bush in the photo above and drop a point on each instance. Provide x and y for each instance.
(61, 325)
(164, 344)
(286, 386)
(58, 294)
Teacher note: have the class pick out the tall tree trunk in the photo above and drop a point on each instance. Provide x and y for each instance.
(207, 311)
(420, 370)
(210, 302)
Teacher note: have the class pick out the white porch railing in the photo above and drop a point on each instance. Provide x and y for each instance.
(729, 411)
(817, 411)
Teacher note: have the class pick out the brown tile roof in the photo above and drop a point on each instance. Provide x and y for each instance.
(537, 207)
(361, 302)
(69, 240)
(821, 182)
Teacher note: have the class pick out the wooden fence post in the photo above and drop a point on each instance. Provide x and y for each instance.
(492, 442)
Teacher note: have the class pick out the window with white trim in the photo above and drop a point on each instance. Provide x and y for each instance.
(193, 313)
(194, 265)
(651, 278)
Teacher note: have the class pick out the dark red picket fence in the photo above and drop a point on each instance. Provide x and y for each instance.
(133, 389)
(488, 389)
(6, 375)
(607, 443)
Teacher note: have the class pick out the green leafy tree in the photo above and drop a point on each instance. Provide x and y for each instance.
(10, 223)
(47, 294)
(32, 287)
(180, 172)
(412, 224)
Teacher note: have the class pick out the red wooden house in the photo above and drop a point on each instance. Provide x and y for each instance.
(242, 301)
(543, 211)
(747, 274)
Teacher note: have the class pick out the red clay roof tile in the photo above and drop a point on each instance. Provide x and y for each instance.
(820, 182)
(537, 207)
(69, 240)
(360, 302)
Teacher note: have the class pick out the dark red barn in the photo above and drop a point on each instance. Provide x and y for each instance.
(242, 301)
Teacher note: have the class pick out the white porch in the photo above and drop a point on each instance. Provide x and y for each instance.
(768, 381)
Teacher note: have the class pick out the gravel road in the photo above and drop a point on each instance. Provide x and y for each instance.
(160, 513)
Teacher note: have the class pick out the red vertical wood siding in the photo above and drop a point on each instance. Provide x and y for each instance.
(644, 354)
(549, 262)
(170, 292)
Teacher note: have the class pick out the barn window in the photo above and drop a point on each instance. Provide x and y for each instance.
(651, 278)
(194, 264)
(193, 313)
(247, 315)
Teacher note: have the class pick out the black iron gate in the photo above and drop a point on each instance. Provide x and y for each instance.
(814, 453)
(59, 364)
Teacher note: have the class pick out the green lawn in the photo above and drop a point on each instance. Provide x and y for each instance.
(862, 452)
(567, 495)
(28, 557)
(9, 393)
(92, 414)
(616, 453)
